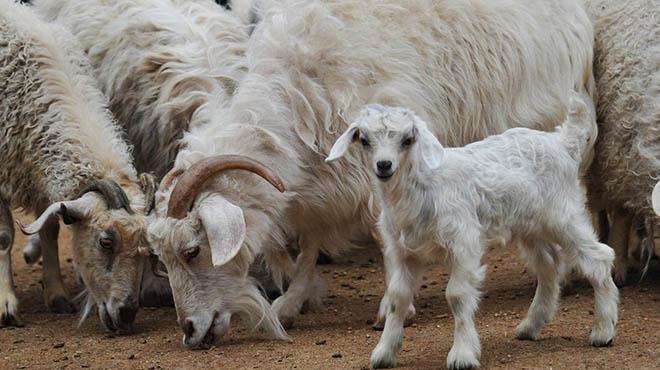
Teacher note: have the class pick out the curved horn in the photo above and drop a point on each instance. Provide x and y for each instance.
(191, 181)
(113, 195)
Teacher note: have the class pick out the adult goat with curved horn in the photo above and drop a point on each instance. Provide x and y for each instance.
(191, 181)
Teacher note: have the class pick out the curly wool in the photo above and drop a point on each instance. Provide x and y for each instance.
(627, 72)
(165, 65)
(57, 135)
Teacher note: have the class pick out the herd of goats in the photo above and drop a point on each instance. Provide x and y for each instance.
(190, 146)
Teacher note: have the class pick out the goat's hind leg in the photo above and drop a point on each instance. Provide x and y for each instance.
(594, 260)
(8, 300)
(545, 260)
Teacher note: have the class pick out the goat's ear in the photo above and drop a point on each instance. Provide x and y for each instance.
(341, 145)
(429, 146)
(225, 228)
(655, 198)
(71, 212)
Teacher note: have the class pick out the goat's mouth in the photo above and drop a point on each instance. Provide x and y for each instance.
(209, 338)
(384, 176)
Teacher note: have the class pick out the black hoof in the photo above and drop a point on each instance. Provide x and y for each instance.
(9, 320)
(599, 343)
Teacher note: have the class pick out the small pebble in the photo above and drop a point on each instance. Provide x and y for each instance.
(59, 345)
(336, 355)
(320, 342)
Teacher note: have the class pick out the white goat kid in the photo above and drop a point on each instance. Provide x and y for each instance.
(449, 204)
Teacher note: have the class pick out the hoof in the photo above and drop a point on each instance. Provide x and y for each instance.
(62, 305)
(461, 359)
(9, 320)
(379, 325)
(601, 343)
(381, 359)
(524, 332)
(459, 366)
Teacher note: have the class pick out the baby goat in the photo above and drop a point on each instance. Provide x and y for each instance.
(449, 204)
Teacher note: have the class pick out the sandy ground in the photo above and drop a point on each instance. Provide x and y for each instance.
(339, 336)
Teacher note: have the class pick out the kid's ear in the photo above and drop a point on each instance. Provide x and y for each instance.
(430, 148)
(341, 145)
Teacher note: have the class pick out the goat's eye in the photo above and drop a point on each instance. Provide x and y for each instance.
(191, 253)
(364, 141)
(106, 242)
(406, 143)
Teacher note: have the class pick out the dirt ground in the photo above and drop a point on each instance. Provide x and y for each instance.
(339, 336)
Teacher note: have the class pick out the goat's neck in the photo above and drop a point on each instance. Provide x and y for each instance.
(409, 192)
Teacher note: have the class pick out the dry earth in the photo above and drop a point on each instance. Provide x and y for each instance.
(339, 336)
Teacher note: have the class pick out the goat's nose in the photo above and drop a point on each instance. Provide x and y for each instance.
(127, 313)
(384, 165)
(187, 327)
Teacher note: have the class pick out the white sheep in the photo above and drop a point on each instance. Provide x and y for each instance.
(63, 156)
(450, 204)
(472, 67)
(627, 159)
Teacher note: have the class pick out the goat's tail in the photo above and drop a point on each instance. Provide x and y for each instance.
(579, 130)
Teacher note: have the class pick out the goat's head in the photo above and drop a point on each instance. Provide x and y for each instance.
(388, 136)
(109, 245)
(199, 235)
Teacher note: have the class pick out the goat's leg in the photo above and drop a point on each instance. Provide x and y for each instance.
(301, 286)
(462, 294)
(545, 260)
(618, 240)
(404, 275)
(385, 303)
(55, 294)
(594, 261)
(8, 301)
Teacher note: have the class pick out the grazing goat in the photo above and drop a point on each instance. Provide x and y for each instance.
(474, 67)
(64, 158)
(165, 66)
(449, 204)
(627, 158)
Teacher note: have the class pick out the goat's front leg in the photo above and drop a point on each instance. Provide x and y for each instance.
(301, 286)
(8, 301)
(404, 275)
(385, 303)
(462, 295)
(55, 295)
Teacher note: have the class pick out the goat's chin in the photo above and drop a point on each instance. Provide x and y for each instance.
(384, 178)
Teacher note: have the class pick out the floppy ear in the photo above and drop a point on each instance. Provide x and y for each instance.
(70, 212)
(655, 199)
(225, 228)
(341, 145)
(429, 146)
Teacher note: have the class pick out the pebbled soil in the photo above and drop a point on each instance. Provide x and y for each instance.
(339, 336)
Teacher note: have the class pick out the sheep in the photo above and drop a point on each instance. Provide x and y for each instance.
(475, 67)
(64, 158)
(164, 65)
(627, 159)
(450, 204)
